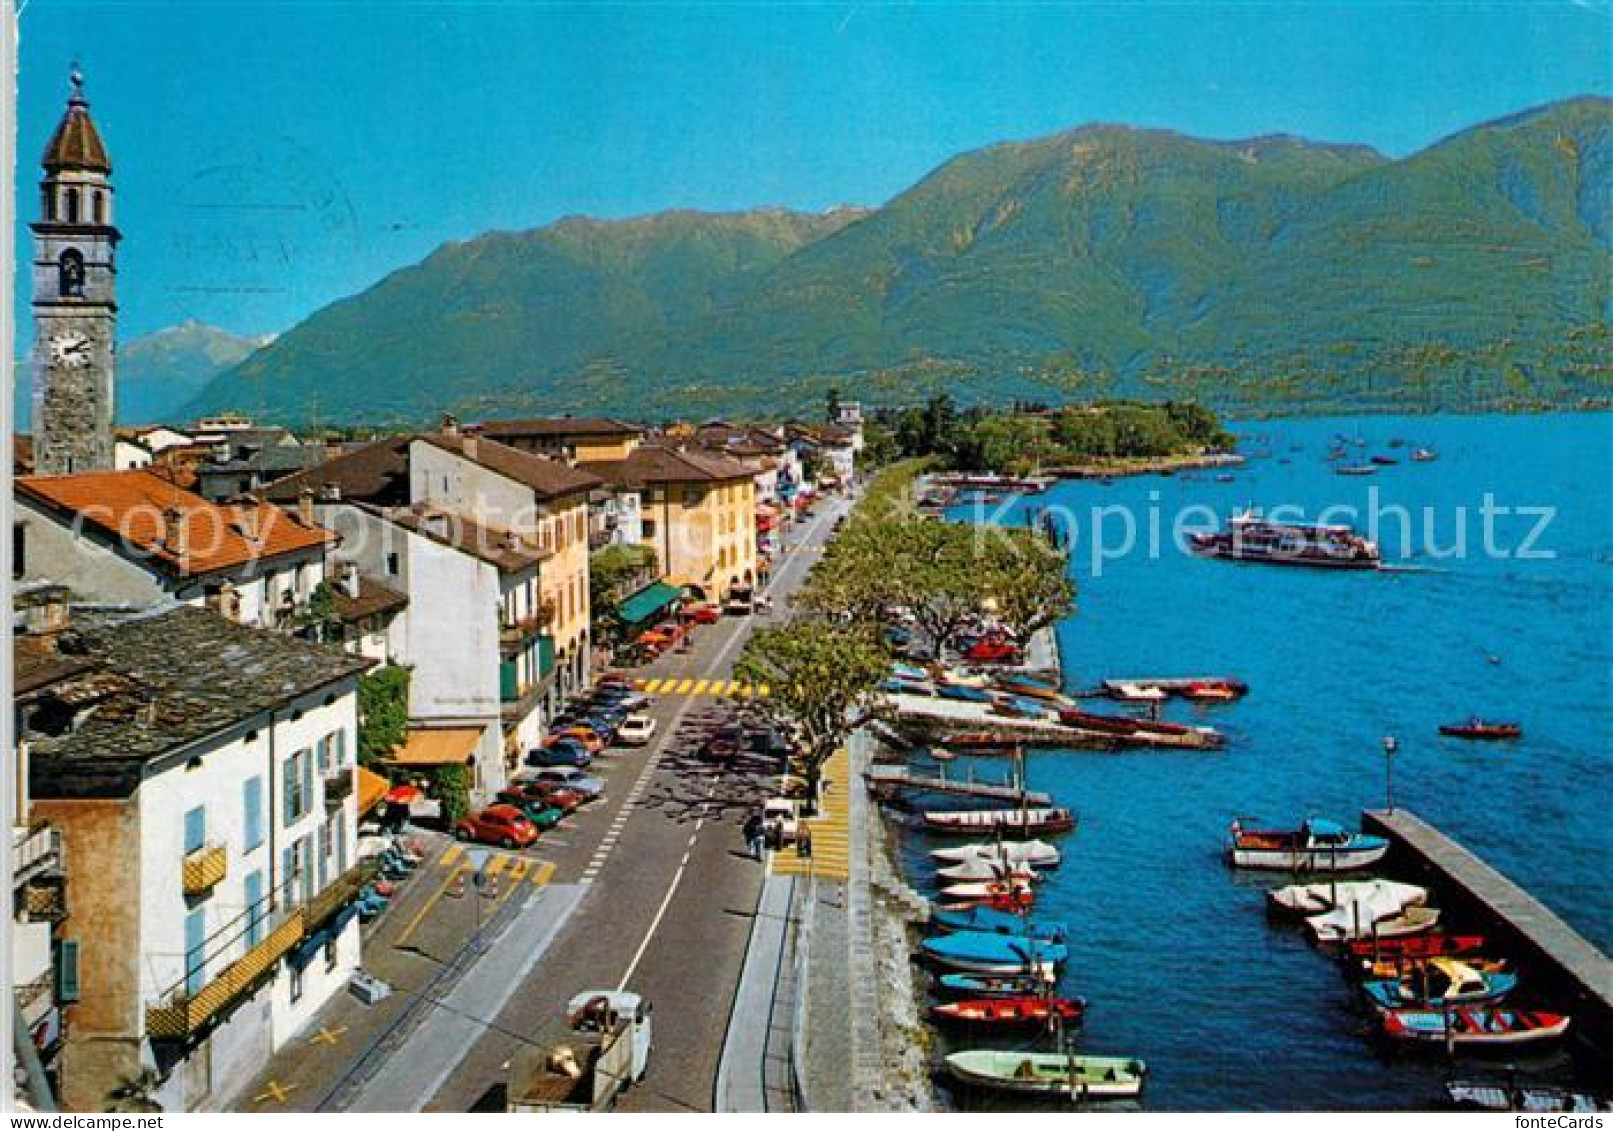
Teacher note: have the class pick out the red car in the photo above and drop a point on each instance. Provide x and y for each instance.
(547, 792)
(503, 825)
(703, 614)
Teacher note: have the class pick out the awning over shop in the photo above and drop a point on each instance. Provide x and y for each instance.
(447, 746)
(648, 601)
(371, 788)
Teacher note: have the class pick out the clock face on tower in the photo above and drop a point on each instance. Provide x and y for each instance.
(70, 349)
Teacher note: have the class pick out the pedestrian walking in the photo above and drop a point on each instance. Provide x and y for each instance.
(803, 841)
(753, 835)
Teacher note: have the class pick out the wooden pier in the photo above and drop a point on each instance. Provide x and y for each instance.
(1557, 959)
(899, 778)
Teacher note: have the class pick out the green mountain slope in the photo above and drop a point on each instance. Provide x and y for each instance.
(1271, 273)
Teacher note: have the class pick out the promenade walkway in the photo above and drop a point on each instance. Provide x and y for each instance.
(831, 856)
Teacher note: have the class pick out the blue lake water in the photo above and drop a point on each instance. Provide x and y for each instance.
(1172, 949)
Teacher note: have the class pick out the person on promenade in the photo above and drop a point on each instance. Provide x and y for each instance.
(753, 835)
(803, 841)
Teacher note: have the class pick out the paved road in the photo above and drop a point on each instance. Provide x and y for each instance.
(669, 894)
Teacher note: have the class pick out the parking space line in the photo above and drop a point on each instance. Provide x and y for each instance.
(425, 908)
(451, 856)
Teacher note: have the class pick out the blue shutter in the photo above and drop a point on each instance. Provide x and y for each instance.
(195, 829)
(288, 790)
(324, 855)
(195, 951)
(287, 859)
(307, 784)
(252, 803)
(341, 747)
(67, 972)
(254, 907)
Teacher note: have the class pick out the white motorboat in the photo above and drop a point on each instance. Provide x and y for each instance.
(1318, 899)
(1029, 853)
(1358, 920)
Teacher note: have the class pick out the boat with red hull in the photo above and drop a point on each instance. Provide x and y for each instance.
(1024, 1012)
(1482, 731)
(1436, 944)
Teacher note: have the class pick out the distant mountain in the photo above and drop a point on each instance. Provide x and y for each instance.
(1267, 274)
(158, 373)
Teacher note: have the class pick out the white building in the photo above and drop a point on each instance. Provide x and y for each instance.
(134, 538)
(203, 780)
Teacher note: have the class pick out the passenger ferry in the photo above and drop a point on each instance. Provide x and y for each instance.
(1250, 538)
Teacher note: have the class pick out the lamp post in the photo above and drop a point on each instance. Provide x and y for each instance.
(1391, 745)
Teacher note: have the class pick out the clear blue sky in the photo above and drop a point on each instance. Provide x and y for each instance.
(272, 158)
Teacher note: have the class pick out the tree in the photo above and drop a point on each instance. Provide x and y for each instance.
(1027, 581)
(820, 679)
(319, 621)
(383, 712)
(450, 785)
(831, 406)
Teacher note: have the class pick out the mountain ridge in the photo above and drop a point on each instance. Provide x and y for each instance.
(1271, 272)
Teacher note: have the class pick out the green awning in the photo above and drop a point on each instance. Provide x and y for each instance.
(648, 601)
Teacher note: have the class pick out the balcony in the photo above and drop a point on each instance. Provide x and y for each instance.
(204, 869)
(514, 635)
(338, 787)
(180, 1015)
(35, 851)
(337, 894)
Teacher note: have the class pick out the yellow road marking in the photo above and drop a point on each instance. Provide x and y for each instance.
(731, 687)
(429, 904)
(454, 852)
(542, 873)
(496, 865)
(701, 686)
(654, 685)
(518, 869)
(327, 1036)
(683, 687)
(276, 1091)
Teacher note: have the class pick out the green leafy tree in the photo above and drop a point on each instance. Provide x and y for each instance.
(450, 785)
(1027, 581)
(319, 620)
(821, 680)
(383, 712)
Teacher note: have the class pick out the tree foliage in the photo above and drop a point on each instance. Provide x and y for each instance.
(383, 712)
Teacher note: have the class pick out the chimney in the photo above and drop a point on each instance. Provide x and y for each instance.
(249, 520)
(330, 492)
(173, 531)
(305, 506)
(450, 424)
(470, 447)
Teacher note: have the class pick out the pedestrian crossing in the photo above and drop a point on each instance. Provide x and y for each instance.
(504, 866)
(715, 688)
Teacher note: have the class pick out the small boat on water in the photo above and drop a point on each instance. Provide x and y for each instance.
(1316, 846)
(1477, 729)
(1438, 984)
(1316, 899)
(1385, 461)
(1049, 1073)
(1431, 945)
(988, 889)
(1134, 692)
(1356, 921)
(1424, 455)
(1400, 966)
(1208, 688)
(1027, 1011)
(1030, 687)
(962, 693)
(998, 985)
(1520, 1096)
(997, 922)
(971, 870)
(1212, 691)
(985, 952)
(1045, 819)
(1474, 1027)
(1035, 853)
(1356, 469)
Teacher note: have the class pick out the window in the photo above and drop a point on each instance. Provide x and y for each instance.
(330, 954)
(255, 911)
(323, 747)
(195, 829)
(296, 982)
(252, 809)
(67, 972)
(297, 784)
(100, 207)
(19, 549)
(322, 856)
(340, 755)
(649, 528)
(72, 206)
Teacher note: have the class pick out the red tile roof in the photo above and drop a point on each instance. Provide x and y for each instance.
(169, 525)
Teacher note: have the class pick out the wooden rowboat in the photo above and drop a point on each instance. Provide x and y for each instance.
(1048, 1073)
(1046, 819)
(1023, 1012)
(1474, 1026)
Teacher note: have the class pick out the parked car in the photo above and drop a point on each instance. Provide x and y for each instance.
(538, 811)
(624, 700)
(636, 731)
(561, 752)
(740, 603)
(703, 614)
(503, 825)
(582, 734)
(547, 792)
(573, 779)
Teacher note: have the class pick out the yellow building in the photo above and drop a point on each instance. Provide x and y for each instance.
(698, 512)
(576, 439)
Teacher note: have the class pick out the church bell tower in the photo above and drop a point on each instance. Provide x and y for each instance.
(75, 302)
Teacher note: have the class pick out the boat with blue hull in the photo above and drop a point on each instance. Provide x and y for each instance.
(989, 920)
(1316, 846)
(1438, 983)
(984, 952)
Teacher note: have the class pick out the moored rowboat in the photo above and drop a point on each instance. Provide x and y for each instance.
(1047, 819)
(1033, 853)
(986, 953)
(997, 922)
(998, 985)
(1316, 846)
(1474, 1027)
(1010, 1012)
(1049, 1073)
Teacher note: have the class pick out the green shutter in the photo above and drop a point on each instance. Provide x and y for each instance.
(67, 972)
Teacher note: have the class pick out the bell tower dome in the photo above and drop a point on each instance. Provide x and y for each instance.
(75, 302)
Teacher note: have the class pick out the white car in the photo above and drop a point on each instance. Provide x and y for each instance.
(636, 730)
